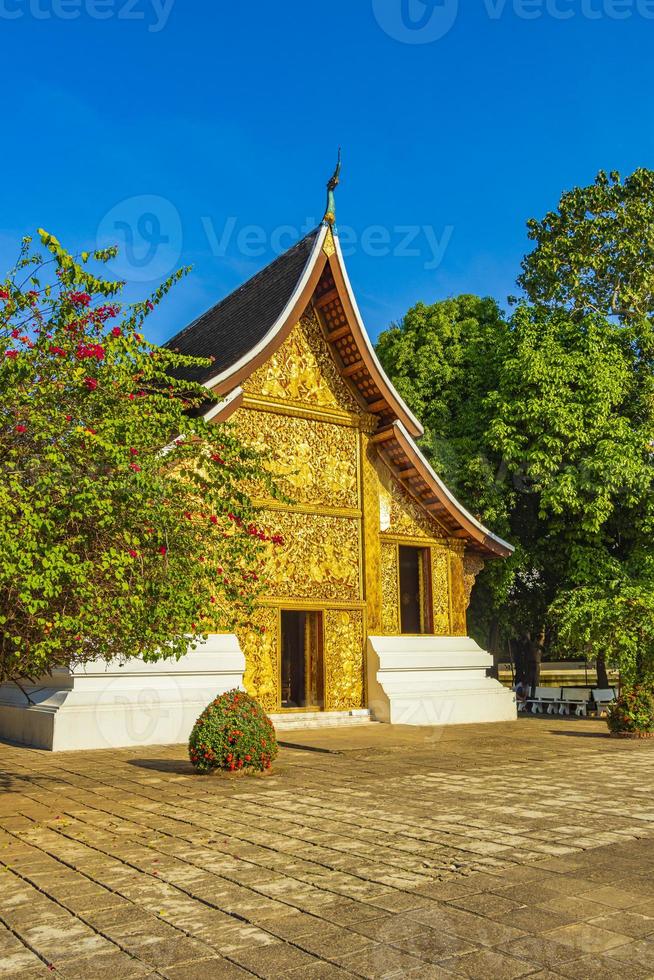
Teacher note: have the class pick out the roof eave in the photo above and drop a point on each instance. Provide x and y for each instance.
(485, 539)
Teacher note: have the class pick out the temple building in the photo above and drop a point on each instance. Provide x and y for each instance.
(367, 602)
(364, 616)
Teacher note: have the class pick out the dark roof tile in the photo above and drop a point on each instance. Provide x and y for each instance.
(239, 322)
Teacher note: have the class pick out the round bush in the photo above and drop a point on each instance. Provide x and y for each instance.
(632, 712)
(233, 733)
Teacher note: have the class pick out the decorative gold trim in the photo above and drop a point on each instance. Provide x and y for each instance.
(413, 542)
(302, 411)
(310, 605)
(328, 246)
(318, 510)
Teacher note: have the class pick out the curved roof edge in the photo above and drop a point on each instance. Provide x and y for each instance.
(481, 534)
(237, 372)
(372, 361)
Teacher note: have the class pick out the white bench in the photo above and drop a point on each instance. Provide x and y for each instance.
(550, 696)
(577, 696)
(603, 697)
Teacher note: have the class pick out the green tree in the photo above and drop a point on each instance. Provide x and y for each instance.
(567, 419)
(124, 526)
(595, 255)
(543, 424)
(444, 359)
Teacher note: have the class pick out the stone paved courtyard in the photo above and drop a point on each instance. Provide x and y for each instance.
(490, 851)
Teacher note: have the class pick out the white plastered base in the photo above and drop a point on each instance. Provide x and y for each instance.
(434, 680)
(100, 706)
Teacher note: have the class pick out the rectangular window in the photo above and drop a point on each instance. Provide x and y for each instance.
(415, 590)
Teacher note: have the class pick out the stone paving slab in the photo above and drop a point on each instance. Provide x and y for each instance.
(484, 851)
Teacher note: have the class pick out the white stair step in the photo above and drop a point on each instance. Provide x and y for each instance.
(291, 720)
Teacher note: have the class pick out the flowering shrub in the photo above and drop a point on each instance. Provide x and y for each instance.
(633, 711)
(233, 733)
(114, 539)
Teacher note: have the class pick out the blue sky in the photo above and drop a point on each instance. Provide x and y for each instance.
(196, 131)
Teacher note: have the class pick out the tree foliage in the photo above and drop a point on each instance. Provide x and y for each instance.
(543, 423)
(124, 526)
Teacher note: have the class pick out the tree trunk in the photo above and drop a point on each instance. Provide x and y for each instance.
(520, 661)
(602, 673)
(534, 651)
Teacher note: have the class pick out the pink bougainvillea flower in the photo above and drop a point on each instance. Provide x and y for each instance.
(86, 351)
(80, 299)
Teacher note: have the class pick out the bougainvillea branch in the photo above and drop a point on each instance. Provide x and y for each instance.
(111, 546)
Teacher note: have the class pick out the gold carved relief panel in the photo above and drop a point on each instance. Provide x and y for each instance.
(303, 370)
(343, 656)
(399, 514)
(314, 462)
(390, 589)
(319, 559)
(440, 585)
(371, 542)
(259, 643)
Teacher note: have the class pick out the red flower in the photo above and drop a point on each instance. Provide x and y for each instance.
(85, 351)
(57, 351)
(131, 397)
(21, 428)
(133, 554)
(80, 299)
(133, 466)
(213, 519)
(4, 294)
(91, 383)
(163, 550)
(116, 332)
(149, 304)
(218, 459)
(69, 418)
(13, 354)
(133, 452)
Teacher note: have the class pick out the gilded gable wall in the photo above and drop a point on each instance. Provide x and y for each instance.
(342, 529)
(303, 415)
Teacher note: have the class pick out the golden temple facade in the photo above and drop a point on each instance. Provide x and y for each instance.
(374, 544)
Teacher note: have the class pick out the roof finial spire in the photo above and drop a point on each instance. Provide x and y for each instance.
(332, 184)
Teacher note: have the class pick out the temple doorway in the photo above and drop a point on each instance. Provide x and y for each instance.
(415, 590)
(302, 661)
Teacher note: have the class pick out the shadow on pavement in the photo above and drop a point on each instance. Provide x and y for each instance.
(176, 766)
